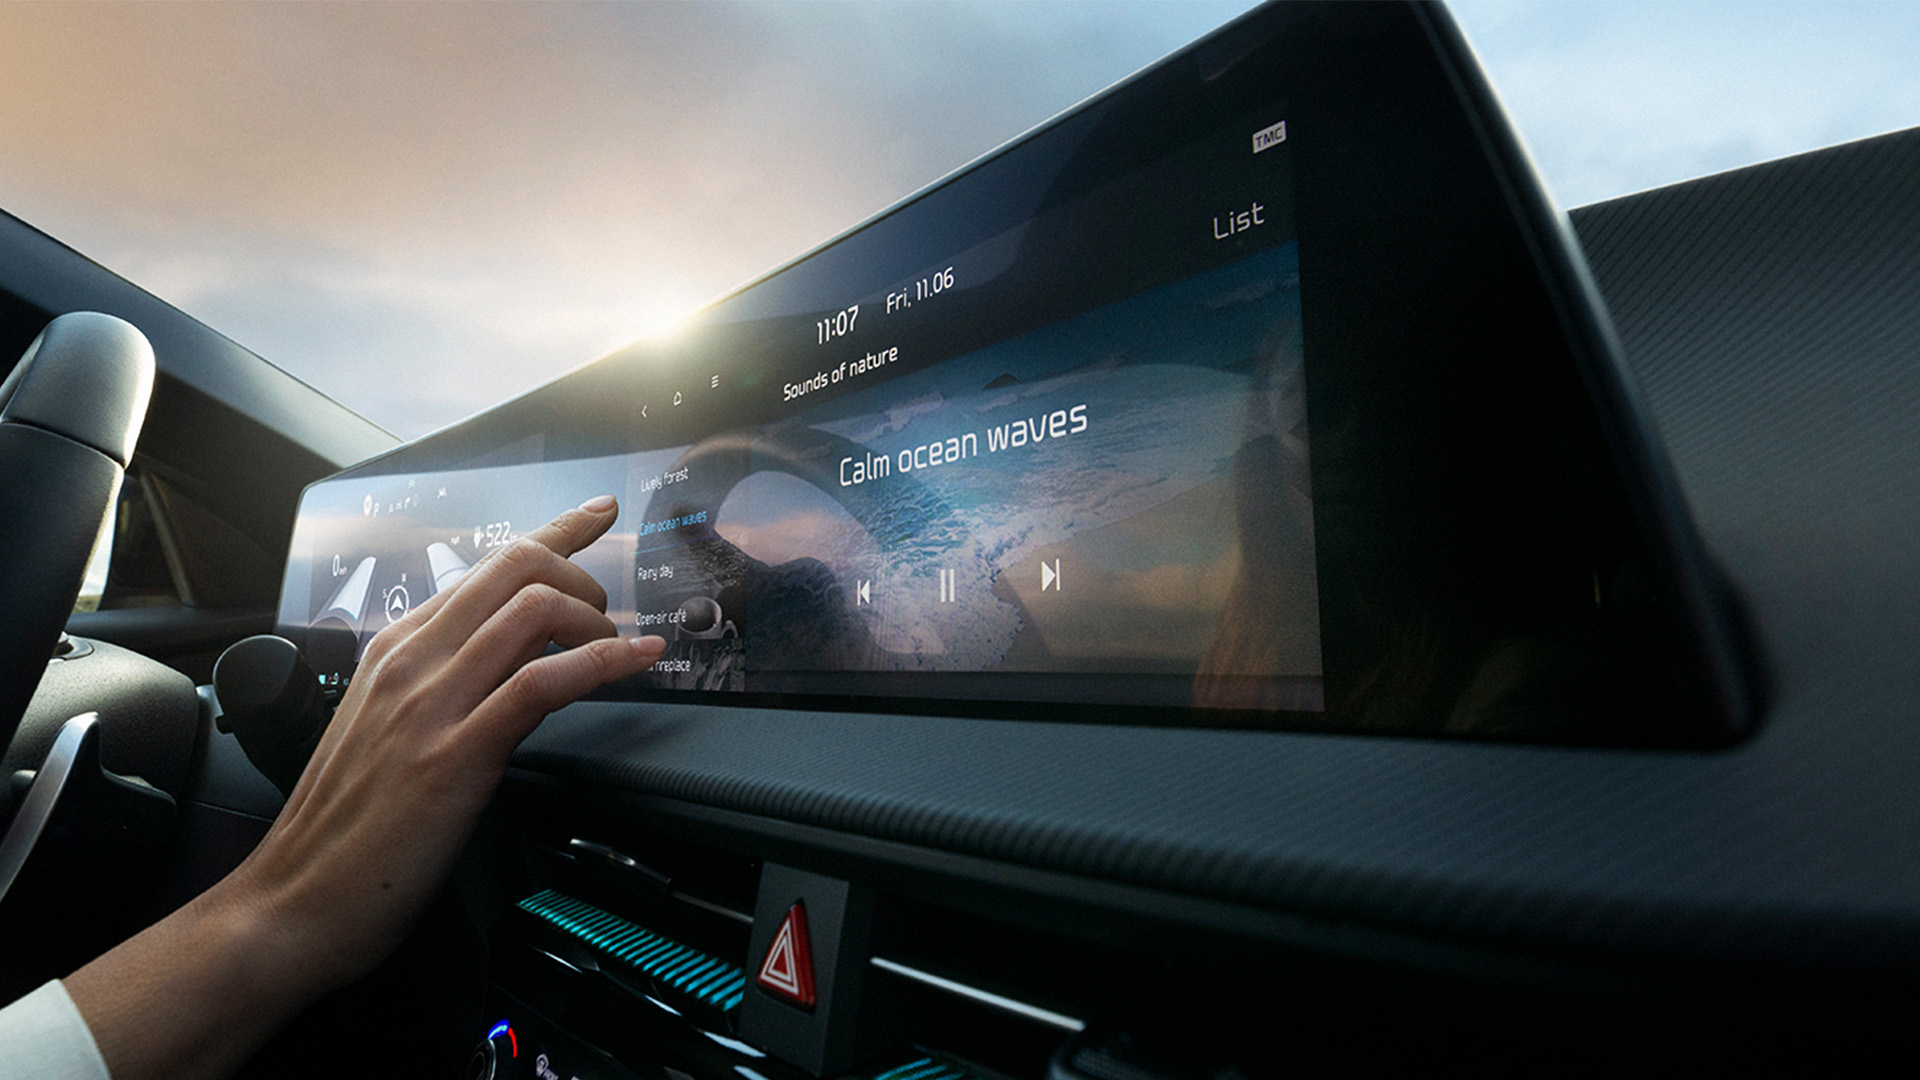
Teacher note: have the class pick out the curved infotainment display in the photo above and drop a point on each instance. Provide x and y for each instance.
(1250, 392)
(1060, 499)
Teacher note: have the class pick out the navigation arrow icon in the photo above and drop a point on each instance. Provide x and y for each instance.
(863, 592)
(1050, 576)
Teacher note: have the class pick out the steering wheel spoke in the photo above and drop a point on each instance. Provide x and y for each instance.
(70, 414)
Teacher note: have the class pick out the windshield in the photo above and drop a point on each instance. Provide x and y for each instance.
(425, 210)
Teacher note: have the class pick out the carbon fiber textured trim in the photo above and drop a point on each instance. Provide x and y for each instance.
(1773, 315)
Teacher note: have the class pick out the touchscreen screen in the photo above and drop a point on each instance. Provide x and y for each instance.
(1056, 455)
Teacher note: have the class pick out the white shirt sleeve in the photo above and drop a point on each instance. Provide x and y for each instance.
(43, 1036)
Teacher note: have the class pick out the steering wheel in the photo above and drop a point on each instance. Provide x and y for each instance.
(70, 414)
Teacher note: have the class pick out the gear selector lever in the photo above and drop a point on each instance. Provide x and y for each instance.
(271, 700)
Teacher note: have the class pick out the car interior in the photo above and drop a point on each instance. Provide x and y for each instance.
(1233, 583)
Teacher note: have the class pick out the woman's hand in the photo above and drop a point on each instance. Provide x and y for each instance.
(439, 702)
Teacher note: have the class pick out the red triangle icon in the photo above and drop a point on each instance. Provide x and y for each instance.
(788, 968)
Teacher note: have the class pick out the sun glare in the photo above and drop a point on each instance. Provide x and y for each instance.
(661, 316)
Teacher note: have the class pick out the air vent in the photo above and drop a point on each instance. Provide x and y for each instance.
(697, 899)
(678, 888)
(975, 997)
(675, 971)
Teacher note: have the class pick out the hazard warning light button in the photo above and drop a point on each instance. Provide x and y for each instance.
(787, 971)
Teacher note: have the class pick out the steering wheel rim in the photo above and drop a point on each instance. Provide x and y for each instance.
(70, 414)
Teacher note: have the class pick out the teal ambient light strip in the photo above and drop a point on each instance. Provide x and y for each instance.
(925, 1069)
(686, 970)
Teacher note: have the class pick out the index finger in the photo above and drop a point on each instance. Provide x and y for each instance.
(576, 528)
(565, 535)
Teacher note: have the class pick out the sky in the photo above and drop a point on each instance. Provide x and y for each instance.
(422, 210)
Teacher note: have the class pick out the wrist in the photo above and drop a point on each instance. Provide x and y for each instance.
(275, 935)
(196, 993)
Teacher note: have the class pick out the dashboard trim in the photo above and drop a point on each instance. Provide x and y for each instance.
(985, 997)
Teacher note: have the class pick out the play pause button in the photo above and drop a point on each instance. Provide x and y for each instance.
(1050, 576)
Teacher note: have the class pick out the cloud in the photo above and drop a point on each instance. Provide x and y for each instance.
(423, 209)
(485, 196)
(1622, 96)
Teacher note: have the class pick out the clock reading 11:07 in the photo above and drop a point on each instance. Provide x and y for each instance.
(839, 324)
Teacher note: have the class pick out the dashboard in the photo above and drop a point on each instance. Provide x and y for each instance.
(1231, 583)
(1007, 531)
